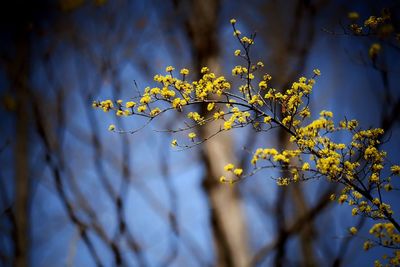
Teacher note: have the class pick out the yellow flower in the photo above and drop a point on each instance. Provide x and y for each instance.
(233, 21)
(326, 113)
(395, 169)
(247, 40)
(237, 70)
(237, 52)
(95, 104)
(374, 50)
(353, 230)
(142, 108)
(353, 15)
(184, 71)
(191, 135)
(218, 115)
(222, 179)
(238, 171)
(229, 167)
(281, 158)
(120, 113)
(106, 105)
(263, 85)
(130, 104)
(227, 125)
(145, 99)
(388, 187)
(204, 70)
(155, 91)
(286, 120)
(306, 166)
(210, 106)
(351, 125)
(169, 69)
(236, 33)
(354, 211)
(357, 195)
(317, 72)
(367, 245)
(305, 112)
(270, 151)
(342, 199)
(267, 119)
(178, 103)
(155, 111)
(371, 22)
(376, 201)
(356, 29)
(255, 99)
(111, 127)
(282, 181)
(165, 92)
(196, 117)
(374, 178)
(174, 143)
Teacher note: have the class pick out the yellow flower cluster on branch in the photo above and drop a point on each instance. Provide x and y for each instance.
(358, 165)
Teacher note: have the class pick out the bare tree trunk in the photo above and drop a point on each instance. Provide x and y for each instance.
(282, 44)
(227, 218)
(19, 74)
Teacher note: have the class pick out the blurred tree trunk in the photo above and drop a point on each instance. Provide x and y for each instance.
(19, 71)
(227, 218)
(285, 72)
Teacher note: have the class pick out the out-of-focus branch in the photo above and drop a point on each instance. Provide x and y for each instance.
(6, 212)
(295, 227)
(340, 257)
(81, 226)
(172, 215)
(18, 73)
(149, 196)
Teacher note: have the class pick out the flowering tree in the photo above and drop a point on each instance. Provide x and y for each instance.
(319, 152)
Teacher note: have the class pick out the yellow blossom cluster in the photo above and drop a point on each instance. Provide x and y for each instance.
(237, 118)
(232, 169)
(265, 153)
(374, 50)
(387, 236)
(371, 23)
(375, 26)
(358, 165)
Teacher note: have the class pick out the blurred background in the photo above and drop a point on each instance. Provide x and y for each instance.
(74, 194)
